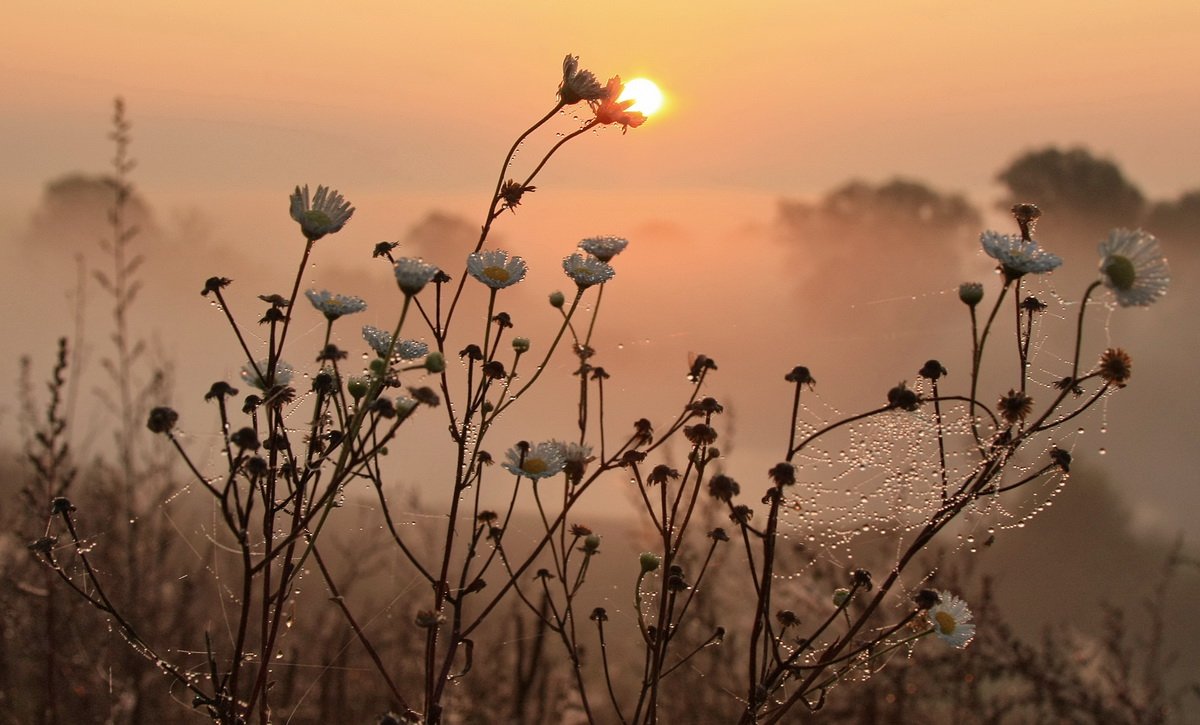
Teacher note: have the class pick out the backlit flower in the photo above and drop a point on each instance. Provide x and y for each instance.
(381, 340)
(325, 213)
(1132, 266)
(951, 618)
(1015, 406)
(610, 110)
(1018, 256)
(413, 274)
(587, 270)
(578, 84)
(1115, 366)
(283, 374)
(541, 461)
(495, 268)
(334, 306)
(604, 248)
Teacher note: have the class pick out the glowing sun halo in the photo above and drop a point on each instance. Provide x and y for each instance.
(645, 96)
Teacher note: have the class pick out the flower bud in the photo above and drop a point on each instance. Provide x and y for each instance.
(840, 596)
(649, 561)
(357, 387)
(435, 362)
(971, 293)
(520, 344)
(557, 299)
(591, 544)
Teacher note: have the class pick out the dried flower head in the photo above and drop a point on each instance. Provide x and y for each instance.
(161, 420)
(1115, 366)
(1132, 266)
(723, 488)
(495, 268)
(325, 214)
(1015, 406)
(971, 293)
(283, 374)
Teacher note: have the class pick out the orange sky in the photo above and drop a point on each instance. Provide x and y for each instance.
(406, 106)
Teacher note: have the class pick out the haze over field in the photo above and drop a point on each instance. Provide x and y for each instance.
(408, 108)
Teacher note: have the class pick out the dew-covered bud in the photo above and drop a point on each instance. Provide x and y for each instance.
(557, 299)
(435, 362)
(520, 344)
(357, 387)
(649, 561)
(841, 595)
(591, 544)
(971, 293)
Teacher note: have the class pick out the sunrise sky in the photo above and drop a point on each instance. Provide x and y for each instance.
(407, 107)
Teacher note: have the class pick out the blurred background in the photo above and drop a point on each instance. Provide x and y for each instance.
(811, 193)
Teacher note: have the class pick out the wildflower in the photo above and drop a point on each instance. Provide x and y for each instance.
(599, 614)
(215, 284)
(1132, 266)
(245, 439)
(283, 374)
(591, 544)
(580, 530)
(219, 390)
(723, 488)
(1018, 256)
(578, 84)
(643, 432)
(1032, 304)
(357, 387)
(1061, 458)
(970, 293)
(950, 618)
(381, 340)
(903, 398)
(577, 456)
(1015, 406)
(425, 396)
(609, 110)
(327, 213)
(932, 370)
(1115, 366)
(586, 270)
(718, 534)
(405, 405)
(841, 595)
(334, 306)
(495, 268)
(603, 248)
(926, 599)
(435, 362)
(783, 474)
(534, 462)
(800, 375)
(1026, 215)
(512, 191)
(741, 514)
(413, 274)
(700, 434)
(161, 420)
(661, 474)
(520, 344)
(649, 561)
(699, 364)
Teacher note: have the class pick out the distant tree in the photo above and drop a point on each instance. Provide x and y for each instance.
(1178, 220)
(439, 229)
(1081, 195)
(873, 229)
(75, 206)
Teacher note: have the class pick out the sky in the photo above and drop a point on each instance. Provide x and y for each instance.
(407, 107)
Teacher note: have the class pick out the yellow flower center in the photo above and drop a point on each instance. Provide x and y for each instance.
(497, 274)
(534, 465)
(945, 623)
(317, 218)
(1121, 272)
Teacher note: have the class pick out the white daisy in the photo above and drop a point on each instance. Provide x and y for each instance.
(413, 274)
(1018, 256)
(495, 268)
(951, 618)
(541, 461)
(283, 374)
(604, 248)
(325, 213)
(587, 270)
(334, 306)
(1132, 266)
(578, 85)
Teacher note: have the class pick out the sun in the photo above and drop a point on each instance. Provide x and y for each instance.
(646, 96)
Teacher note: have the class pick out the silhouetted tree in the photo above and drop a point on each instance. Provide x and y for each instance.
(1178, 220)
(75, 205)
(1081, 195)
(875, 229)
